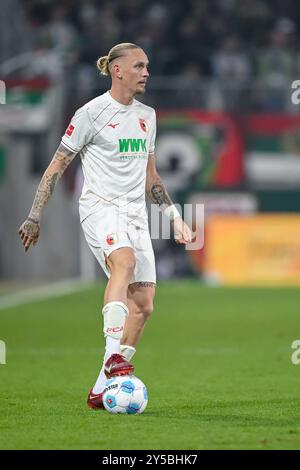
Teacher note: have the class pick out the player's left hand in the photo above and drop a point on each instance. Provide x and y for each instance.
(182, 232)
(29, 233)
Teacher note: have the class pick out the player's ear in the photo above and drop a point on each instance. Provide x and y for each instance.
(117, 71)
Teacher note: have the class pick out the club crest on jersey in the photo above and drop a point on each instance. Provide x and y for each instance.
(70, 130)
(111, 239)
(143, 125)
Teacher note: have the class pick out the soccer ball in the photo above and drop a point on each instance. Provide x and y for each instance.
(125, 394)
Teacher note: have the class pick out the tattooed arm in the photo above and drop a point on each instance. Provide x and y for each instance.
(155, 188)
(158, 194)
(30, 229)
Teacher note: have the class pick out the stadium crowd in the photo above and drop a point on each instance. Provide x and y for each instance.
(231, 41)
(243, 45)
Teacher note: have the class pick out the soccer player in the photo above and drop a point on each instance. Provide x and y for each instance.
(115, 136)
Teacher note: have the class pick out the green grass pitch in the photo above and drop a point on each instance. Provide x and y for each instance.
(216, 361)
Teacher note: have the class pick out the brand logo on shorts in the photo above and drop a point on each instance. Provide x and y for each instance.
(111, 238)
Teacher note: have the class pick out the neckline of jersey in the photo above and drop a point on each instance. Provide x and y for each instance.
(117, 103)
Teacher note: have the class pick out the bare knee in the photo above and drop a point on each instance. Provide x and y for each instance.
(142, 295)
(145, 308)
(148, 308)
(122, 262)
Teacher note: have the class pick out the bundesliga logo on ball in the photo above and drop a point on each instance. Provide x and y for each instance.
(125, 395)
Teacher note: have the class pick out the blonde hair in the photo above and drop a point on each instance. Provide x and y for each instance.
(115, 52)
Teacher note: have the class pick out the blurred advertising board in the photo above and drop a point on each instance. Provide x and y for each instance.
(217, 203)
(199, 149)
(272, 151)
(28, 107)
(210, 149)
(253, 250)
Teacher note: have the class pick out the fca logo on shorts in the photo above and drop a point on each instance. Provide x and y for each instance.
(2, 352)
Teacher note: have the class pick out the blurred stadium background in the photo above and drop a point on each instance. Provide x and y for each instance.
(228, 132)
(228, 136)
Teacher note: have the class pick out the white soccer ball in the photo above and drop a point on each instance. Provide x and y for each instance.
(125, 394)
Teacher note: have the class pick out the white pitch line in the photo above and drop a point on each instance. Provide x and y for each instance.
(35, 294)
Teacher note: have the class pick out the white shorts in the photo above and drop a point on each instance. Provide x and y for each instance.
(106, 231)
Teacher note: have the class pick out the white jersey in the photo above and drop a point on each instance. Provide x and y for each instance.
(114, 141)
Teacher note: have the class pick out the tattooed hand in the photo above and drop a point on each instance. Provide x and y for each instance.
(29, 233)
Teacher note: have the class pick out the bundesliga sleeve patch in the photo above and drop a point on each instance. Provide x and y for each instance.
(70, 130)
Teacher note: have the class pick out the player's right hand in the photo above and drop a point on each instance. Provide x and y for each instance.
(29, 233)
(182, 232)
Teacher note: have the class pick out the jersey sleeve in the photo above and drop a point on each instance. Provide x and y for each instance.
(152, 133)
(79, 132)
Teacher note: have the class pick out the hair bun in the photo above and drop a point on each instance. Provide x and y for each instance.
(102, 65)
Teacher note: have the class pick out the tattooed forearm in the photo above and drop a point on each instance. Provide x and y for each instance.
(52, 182)
(29, 219)
(158, 193)
(43, 194)
(59, 163)
(64, 156)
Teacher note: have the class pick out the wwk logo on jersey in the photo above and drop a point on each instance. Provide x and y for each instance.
(132, 145)
(70, 130)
